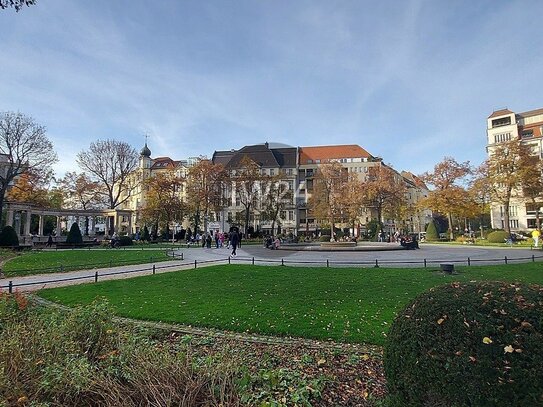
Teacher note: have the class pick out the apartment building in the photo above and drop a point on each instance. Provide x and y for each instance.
(274, 160)
(352, 157)
(504, 125)
(147, 168)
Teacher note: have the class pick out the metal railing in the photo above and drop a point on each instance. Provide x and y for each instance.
(283, 262)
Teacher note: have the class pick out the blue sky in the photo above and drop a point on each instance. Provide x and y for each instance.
(410, 81)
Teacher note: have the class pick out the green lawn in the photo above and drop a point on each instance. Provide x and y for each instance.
(343, 304)
(38, 262)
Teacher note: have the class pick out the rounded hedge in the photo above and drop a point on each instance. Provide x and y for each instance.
(499, 236)
(74, 235)
(8, 237)
(473, 344)
(324, 238)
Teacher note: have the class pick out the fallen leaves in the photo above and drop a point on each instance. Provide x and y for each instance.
(487, 340)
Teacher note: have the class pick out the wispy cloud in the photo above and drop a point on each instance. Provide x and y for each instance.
(410, 81)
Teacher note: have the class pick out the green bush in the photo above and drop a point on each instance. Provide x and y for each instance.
(125, 241)
(145, 236)
(473, 344)
(499, 236)
(432, 234)
(74, 235)
(324, 238)
(8, 237)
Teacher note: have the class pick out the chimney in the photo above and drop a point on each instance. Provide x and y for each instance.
(267, 145)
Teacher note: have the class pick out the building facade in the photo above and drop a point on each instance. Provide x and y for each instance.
(504, 125)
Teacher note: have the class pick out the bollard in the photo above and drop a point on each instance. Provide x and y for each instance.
(253, 261)
(182, 256)
(10, 287)
(327, 263)
(195, 263)
(533, 258)
(469, 261)
(154, 269)
(424, 263)
(96, 277)
(376, 264)
(282, 262)
(228, 260)
(505, 259)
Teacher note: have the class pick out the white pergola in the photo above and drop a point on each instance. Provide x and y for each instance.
(22, 209)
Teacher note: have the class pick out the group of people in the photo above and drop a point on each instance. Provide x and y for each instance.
(272, 243)
(228, 240)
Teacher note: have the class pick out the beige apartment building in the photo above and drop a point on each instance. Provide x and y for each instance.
(504, 125)
(296, 167)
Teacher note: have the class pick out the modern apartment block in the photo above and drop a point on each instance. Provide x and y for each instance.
(504, 125)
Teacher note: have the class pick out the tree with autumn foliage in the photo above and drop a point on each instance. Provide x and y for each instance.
(327, 202)
(36, 190)
(532, 183)
(164, 205)
(205, 184)
(247, 180)
(449, 196)
(277, 197)
(24, 149)
(384, 191)
(509, 167)
(354, 203)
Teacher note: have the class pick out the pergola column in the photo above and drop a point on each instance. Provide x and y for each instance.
(58, 226)
(40, 225)
(10, 218)
(129, 224)
(27, 223)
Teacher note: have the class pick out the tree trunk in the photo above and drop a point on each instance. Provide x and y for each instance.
(247, 213)
(449, 219)
(2, 194)
(506, 218)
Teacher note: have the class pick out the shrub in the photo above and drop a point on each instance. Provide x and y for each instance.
(81, 358)
(8, 237)
(324, 238)
(74, 236)
(473, 344)
(432, 234)
(499, 236)
(125, 241)
(145, 236)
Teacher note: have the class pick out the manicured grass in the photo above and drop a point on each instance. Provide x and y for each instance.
(37, 262)
(343, 304)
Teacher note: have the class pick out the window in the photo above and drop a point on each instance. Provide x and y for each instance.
(527, 134)
(289, 171)
(532, 223)
(309, 184)
(317, 161)
(290, 185)
(504, 121)
(272, 171)
(310, 161)
(500, 138)
(290, 215)
(309, 173)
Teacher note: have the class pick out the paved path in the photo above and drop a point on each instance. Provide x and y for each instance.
(433, 254)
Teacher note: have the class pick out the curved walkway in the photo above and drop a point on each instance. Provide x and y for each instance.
(433, 254)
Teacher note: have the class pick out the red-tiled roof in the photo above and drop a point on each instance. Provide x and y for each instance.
(531, 113)
(501, 112)
(324, 153)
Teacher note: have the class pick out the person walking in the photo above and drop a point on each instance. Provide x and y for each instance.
(234, 240)
(535, 235)
(50, 240)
